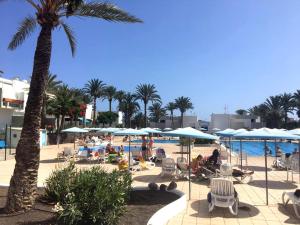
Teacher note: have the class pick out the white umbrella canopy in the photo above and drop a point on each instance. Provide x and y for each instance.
(216, 129)
(129, 132)
(267, 134)
(74, 130)
(226, 133)
(150, 130)
(189, 132)
(295, 131)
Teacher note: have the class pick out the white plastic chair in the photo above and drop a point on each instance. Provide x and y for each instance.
(223, 195)
(226, 171)
(182, 170)
(168, 167)
(160, 154)
(295, 201)
(294, 167)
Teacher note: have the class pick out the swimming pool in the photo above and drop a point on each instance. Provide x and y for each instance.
(159, 141)
(255, 148)
(126, 148)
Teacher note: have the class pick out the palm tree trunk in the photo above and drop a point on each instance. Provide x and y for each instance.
(181, 120)
(23, 184)
(145, 114)
(110, 105)
(94, 111)
(172, 118)
(43, 114)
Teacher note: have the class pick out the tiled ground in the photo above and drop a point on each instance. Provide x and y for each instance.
(253, 209)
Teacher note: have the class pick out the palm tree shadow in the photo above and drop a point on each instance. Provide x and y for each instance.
(55, 160)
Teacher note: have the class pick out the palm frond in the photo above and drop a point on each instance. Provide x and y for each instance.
(26, 28)
(70, 36)
(105, 11)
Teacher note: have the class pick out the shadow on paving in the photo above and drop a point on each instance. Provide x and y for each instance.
(245, 210)
(157, 179)
(281, 185)
(52, 161)
(288, 211)
(257, 168)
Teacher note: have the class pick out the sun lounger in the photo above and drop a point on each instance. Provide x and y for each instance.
(295, 201)
(168, 167)
(227, 171)
(223, 195)
(182, 170)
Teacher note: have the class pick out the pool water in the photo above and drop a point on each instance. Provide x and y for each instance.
(256, 148)
(126, 148)
(160, 141)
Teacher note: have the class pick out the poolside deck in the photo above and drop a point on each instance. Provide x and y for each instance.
(252, 196)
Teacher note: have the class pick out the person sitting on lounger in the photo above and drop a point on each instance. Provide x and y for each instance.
(213, 161)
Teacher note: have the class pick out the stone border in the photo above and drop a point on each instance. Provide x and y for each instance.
(162, 216)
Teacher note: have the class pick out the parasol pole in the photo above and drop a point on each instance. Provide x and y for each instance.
(241, 153)
(189, 168)
(266, 173)
(129, 152)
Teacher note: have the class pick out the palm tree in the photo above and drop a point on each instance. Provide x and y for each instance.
(241, 112)
(138, 120)
(156, 112)
(297, 102)
(171, 106)
(129, 106)
(119, 96)
(259, 111)
(51, 85)
(110, 93)
(274, 111)
(183, 104)
(146, 93)
(96, 89)
(287, 104)
(48, 15)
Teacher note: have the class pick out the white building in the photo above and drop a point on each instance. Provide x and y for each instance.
(224, 121)
(13, 98)
(166, 122)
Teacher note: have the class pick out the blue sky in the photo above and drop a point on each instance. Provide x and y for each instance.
(225, 52)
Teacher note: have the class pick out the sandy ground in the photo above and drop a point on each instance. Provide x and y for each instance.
(252, 196)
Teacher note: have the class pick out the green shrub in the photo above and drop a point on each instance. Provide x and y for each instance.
(203, 141)
(95, 197)
(57, 186)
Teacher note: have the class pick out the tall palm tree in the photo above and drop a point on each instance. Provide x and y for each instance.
(171, 106)
(157, 112)
(287, 104)
(110, 93)
(297, 102)
(51, 85)
(129, 106)
(241, 112)
(48, 15)
(183, 104)
(146, 93)
(274, 111)
(138, 120)
(96, 89)
(119, 96)
(259, 111)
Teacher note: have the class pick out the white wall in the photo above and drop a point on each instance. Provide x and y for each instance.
(5, 117)
(89, 112)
